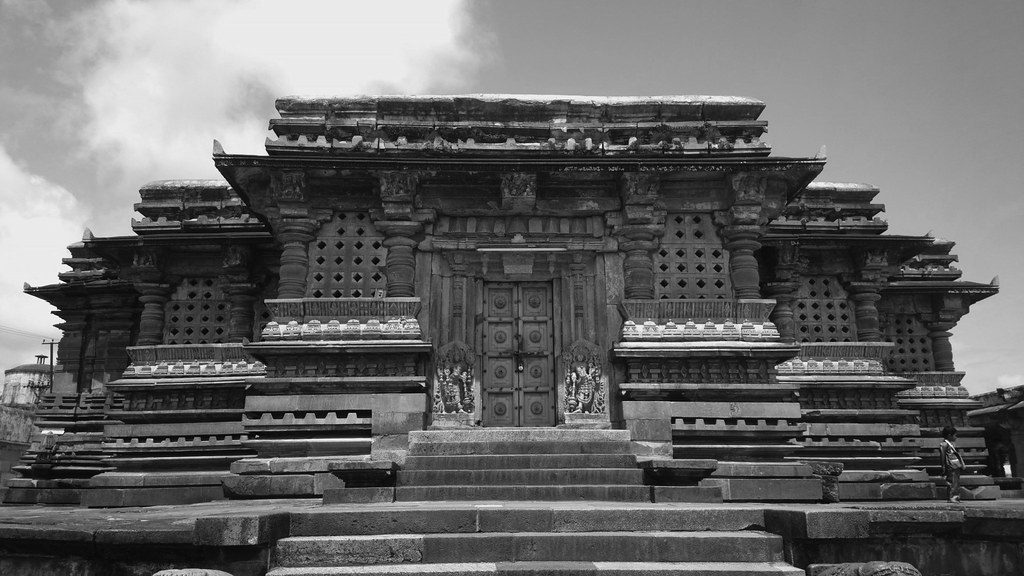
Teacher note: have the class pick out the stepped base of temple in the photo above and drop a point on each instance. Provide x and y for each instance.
(303, 477)
(521, 464)
(120, 489)
(506, 540)
(765, 482)
(855, 485)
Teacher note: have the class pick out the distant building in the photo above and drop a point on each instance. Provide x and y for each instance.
(24, 384)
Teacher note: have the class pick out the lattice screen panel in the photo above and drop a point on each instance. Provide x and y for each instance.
(691, 261)
(822, 311)
(913, 351)
(197, 313)
(346, 258)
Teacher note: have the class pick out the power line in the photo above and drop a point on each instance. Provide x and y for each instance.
(19, 332)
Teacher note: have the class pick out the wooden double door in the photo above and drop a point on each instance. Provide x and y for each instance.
(518, 384)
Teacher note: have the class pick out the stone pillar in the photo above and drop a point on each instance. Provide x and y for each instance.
(865, 311)
(241, 297)
(400, 264)
(942, 350)
(784, 294)
(638, 265)
(742, 242)
(294, 235)
(151, 322)
(641, 223)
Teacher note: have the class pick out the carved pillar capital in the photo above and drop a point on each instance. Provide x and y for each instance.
(397, 192)
(154, 297)
(295, 235)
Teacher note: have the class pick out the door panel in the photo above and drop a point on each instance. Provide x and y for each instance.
(518, 361)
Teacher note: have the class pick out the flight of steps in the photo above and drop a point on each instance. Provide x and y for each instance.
(559, 540)
(520, 464)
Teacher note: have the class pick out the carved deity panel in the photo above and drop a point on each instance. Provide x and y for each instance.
(586, 387)
(453, 380)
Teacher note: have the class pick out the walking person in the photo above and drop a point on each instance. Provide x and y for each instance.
(952, 462)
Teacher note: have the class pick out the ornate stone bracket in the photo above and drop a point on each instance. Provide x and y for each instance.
(454, 399)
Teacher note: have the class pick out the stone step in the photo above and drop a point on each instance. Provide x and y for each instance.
(705, 546)
(523, 477)
(518, 461)
(519, 447)
(556, 568)
(516, 435)
(456, 517)
(608, 492)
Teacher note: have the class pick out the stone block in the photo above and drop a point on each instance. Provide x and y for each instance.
(991, 492)
(388, 423)
(818, 523)
(686, 493)
(404, 402)
(652, 449)
(650, 430)
(240, 530)
(326, 481)
(269, 486)
(359, 495)
(883, 476)
(328, 551)
(761, 470)
(327, 521)
(251, 466)
(150, 496)
(854, 491)
(767, 489)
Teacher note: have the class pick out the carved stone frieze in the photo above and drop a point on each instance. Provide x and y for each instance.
(453, 380)
(288, 186)
(700, 370)
(311, 364)
(586, 387)
(518, 190)
(878, 568)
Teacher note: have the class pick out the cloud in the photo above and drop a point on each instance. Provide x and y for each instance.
(161, 79)
(38, 219)
(1010, 380)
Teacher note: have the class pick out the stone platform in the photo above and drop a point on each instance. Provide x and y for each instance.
(303, 537)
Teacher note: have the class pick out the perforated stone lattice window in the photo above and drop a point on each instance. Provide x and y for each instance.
(691, 261)
(197, 313)
(822, 311)
(347, 258)
(913, 351)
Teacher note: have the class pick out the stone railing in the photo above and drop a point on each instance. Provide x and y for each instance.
(182, 360)
(937, 385)
(698, 310)
(302, 310)
(839, 358)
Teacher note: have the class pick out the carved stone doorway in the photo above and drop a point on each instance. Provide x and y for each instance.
(518, 377)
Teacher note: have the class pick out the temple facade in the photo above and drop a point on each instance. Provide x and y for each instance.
(467, 263)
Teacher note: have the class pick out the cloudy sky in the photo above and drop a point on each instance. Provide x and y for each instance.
(921, 98)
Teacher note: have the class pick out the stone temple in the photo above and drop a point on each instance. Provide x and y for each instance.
(618, 308)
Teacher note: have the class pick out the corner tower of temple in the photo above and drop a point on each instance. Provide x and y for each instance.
(401, 275)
